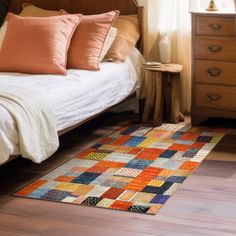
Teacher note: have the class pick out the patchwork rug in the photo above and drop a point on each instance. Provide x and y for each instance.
(135, 169)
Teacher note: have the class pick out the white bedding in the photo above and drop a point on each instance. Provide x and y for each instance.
(75, 97)
(36, 126)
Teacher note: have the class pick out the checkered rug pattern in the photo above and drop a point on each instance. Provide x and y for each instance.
(135, 169)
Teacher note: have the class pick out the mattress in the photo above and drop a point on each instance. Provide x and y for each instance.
(75, 97)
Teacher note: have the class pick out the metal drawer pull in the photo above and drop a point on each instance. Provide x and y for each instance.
(215, 26)
(215, 48)
(214, 71)
(214, 96)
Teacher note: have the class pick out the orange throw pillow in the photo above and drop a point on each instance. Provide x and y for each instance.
(127, 36)
(88, 40)
(37, 45)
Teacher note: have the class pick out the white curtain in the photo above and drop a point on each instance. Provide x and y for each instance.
(173, 18)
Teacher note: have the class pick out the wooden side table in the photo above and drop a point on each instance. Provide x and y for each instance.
(155, 87)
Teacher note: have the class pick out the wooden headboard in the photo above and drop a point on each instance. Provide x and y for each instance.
(86, 7)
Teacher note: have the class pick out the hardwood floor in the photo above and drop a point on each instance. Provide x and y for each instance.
(205, 205)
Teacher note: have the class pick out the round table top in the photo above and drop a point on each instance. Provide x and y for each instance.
(171, 68)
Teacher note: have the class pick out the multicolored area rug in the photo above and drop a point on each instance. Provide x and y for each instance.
(134, 169)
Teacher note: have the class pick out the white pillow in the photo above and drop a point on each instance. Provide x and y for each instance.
(108, 42)
(3, 30)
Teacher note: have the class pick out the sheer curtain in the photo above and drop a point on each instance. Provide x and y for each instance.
(173, 18)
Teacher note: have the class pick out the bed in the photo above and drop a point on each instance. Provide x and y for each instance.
(80, 95)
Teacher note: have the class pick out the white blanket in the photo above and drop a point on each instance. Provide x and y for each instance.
(35, 124)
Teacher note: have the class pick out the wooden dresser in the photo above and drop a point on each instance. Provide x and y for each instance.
(213, 66)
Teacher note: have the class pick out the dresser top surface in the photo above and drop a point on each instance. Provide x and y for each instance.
(215, 13)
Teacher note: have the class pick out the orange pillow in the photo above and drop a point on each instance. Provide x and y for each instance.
(126, 38)
(88, 40)
(37, 45)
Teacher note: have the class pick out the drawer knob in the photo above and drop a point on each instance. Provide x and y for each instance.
(214, 96)
(215, 48)
(215, 26)
(214, 71)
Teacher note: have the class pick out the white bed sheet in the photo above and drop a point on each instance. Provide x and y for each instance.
(75, 97)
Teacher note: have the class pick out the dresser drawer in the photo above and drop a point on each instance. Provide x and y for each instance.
(215, 48)
(215, 72)
(215, 26)
(217, 97)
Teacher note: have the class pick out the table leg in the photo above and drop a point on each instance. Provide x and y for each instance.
(150, 94)
(158, 113)
(175, 98)
(166, 80)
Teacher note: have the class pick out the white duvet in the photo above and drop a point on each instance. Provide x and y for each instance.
(72, 98)
(34, 123)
